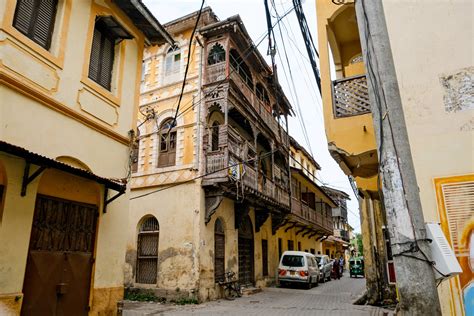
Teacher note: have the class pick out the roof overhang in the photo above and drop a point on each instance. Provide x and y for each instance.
(144, 20)
(364, 165)
(45, 162)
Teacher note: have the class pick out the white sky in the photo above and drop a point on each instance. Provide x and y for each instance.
(252, 13)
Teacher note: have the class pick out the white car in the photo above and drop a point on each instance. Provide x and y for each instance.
(298, 267)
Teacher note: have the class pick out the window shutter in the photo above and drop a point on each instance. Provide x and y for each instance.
(95, 56)
(43, 29)
(107, 62)
(24, 15)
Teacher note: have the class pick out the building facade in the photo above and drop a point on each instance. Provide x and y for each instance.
(69, 80)
(434, 73)
(211, 192)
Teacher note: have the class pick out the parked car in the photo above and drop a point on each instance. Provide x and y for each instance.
(325, 267)
(298, 267)
(356, 267)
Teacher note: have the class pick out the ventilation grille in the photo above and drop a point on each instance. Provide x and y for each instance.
(459, 205)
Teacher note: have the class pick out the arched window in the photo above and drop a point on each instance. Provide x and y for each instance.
(147, 251)
(172, 61)
(219, 250)
(167, 146)
(216, 54)
(215, 136)
(241, 68)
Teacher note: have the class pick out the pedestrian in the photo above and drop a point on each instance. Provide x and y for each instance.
(341, 265)
(335, 269)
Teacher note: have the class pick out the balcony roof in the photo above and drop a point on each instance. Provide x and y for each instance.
(299, 147)
(236, 28)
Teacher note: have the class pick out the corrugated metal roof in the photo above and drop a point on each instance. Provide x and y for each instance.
(42, 161)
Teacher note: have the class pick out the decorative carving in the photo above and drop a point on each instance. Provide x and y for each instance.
(213, 200)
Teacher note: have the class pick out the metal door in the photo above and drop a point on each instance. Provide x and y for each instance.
(59, 264)
(246, 253)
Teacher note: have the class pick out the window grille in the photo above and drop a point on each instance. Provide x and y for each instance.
(147, 251)
(219, 251)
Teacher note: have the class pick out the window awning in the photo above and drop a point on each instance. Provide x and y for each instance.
(113, 27)
(45, 162)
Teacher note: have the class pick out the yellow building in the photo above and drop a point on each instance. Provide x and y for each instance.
(431, 45)
(211, 192)
(69, 80)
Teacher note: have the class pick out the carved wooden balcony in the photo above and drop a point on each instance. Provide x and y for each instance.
(229, 168)
(217, 73)
(350, 96)
(312, 216)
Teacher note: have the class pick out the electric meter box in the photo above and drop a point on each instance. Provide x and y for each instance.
(441, 252)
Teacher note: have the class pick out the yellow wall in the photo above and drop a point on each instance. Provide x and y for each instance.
(347, 133)
(441, 141)
(50, 107)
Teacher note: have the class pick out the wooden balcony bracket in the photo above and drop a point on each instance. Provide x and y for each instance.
(213, 198)
(312, 235)
(304, 228)
(277, 222)
(241, 210)
(306, 233)
(323, 237)
(261, 217)
(290, 227)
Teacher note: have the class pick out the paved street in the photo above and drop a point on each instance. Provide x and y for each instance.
(332, 298)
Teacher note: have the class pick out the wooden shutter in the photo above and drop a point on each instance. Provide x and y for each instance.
(23, 20)
(35, 19)
(219, 251)
(94, 62)
(107, 62)
(264, 257)
(45, 17)
(102, 57)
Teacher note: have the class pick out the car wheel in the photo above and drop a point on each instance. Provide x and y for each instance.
(317, 281)
(309, 285)
(329, 276)
(323, 280)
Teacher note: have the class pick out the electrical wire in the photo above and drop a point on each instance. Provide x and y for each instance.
(260, 157)
(187, 67)
(247, 52)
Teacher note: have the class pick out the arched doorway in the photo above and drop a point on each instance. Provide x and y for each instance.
(246, 252)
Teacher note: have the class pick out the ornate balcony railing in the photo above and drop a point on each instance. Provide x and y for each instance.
(229, 163)
(315, 217)
(350, 96)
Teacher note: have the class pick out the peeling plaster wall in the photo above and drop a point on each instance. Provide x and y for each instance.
(432, 47)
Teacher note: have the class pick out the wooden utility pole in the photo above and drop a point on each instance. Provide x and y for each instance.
(412, 258)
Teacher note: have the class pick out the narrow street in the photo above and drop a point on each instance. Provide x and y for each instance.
(332, 298)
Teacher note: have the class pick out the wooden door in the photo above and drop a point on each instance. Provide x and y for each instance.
(246, 252)
(59, 264)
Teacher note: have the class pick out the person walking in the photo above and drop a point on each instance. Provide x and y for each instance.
(341, 266)
(335, 269)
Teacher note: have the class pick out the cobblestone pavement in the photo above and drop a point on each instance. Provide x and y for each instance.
(331, 298)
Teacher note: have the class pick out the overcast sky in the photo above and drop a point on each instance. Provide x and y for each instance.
(305, 92)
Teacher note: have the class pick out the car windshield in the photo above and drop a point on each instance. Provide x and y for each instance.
(293, 261)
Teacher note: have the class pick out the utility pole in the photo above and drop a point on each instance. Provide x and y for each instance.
(412, 257)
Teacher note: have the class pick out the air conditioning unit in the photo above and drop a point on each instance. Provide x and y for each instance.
(442, 254)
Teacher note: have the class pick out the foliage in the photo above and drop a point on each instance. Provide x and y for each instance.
(141, 295)
(360, 247)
